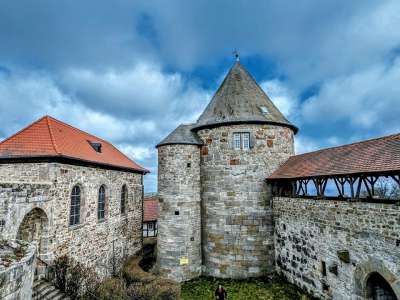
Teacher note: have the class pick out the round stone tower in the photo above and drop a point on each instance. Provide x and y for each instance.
(245, 139)
(179, 223)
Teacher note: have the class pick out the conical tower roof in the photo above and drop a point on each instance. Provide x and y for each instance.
(181, 135)
(239, 100)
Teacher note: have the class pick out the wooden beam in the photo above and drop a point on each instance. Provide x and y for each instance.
(337, 186)
(359, 187)
(396, 178)
(324, 187)
(351, 182)
(365, 180)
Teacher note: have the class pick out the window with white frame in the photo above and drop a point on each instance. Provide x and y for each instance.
(236, 141)
(241, 141)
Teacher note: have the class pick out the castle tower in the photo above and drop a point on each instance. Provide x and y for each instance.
(245, 139)
(179, 224)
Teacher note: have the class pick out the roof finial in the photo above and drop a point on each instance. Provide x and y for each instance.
(236, 54)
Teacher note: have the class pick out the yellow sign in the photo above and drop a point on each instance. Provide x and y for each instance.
(184, 261)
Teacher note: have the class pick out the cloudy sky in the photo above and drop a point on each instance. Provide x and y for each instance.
(131, 71)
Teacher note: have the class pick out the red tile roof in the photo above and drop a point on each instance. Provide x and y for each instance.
(48, 137)
(150, 209)
(371, 156)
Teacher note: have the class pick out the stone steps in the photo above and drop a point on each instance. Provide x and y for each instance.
(44, 290)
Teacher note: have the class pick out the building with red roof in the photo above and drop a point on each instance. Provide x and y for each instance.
(150, 216)
(71, 192)
(49, 139)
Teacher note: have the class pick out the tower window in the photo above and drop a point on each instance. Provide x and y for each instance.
(241, 141)
(177, 213)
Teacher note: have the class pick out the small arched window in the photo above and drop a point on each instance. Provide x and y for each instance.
(101, 205)
(75, 211)
(124, 196)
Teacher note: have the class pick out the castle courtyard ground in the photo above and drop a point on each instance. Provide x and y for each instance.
(203, 288)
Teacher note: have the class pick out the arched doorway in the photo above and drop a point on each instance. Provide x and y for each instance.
(373, 280)
(34, 228)
(379, 289)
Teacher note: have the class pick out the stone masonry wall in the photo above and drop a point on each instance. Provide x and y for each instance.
(179, 224)
(331, 247)
(236, 212)
(16, 280)
(47, 187)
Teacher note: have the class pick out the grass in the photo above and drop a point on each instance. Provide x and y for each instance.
(203, 288)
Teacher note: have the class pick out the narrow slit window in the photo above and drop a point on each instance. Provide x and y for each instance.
(323, 266)
(124, 196)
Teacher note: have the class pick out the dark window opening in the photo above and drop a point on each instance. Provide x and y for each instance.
(192, 238)
(177, 212)
(75, 209)
(188, 165)
(101, 205)
(124, 196)
(323, 265)
(325, 287)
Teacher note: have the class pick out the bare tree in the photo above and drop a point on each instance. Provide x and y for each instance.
(387, 188)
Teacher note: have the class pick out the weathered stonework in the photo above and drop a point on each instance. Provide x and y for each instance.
(17, 278)
(179, 231)
(37, 195)
(347, 241)
(237, 224)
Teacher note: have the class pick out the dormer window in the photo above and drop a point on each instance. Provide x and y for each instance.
(264, 110)
(241, 141)
(96, 146)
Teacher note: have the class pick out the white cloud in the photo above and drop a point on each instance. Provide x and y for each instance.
(365, 100)
(305, 144)
(96, 103)
(281, 96)
(136, 152)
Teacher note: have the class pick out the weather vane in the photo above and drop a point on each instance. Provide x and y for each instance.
(236, 54)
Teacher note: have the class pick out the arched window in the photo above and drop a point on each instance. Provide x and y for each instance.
(101, 205)
(124, 196)
(75, 211)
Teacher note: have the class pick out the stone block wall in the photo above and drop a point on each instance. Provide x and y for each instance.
(236, 212)
(330, 248)
(179, 224)
(46, 187)
(17, 278)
